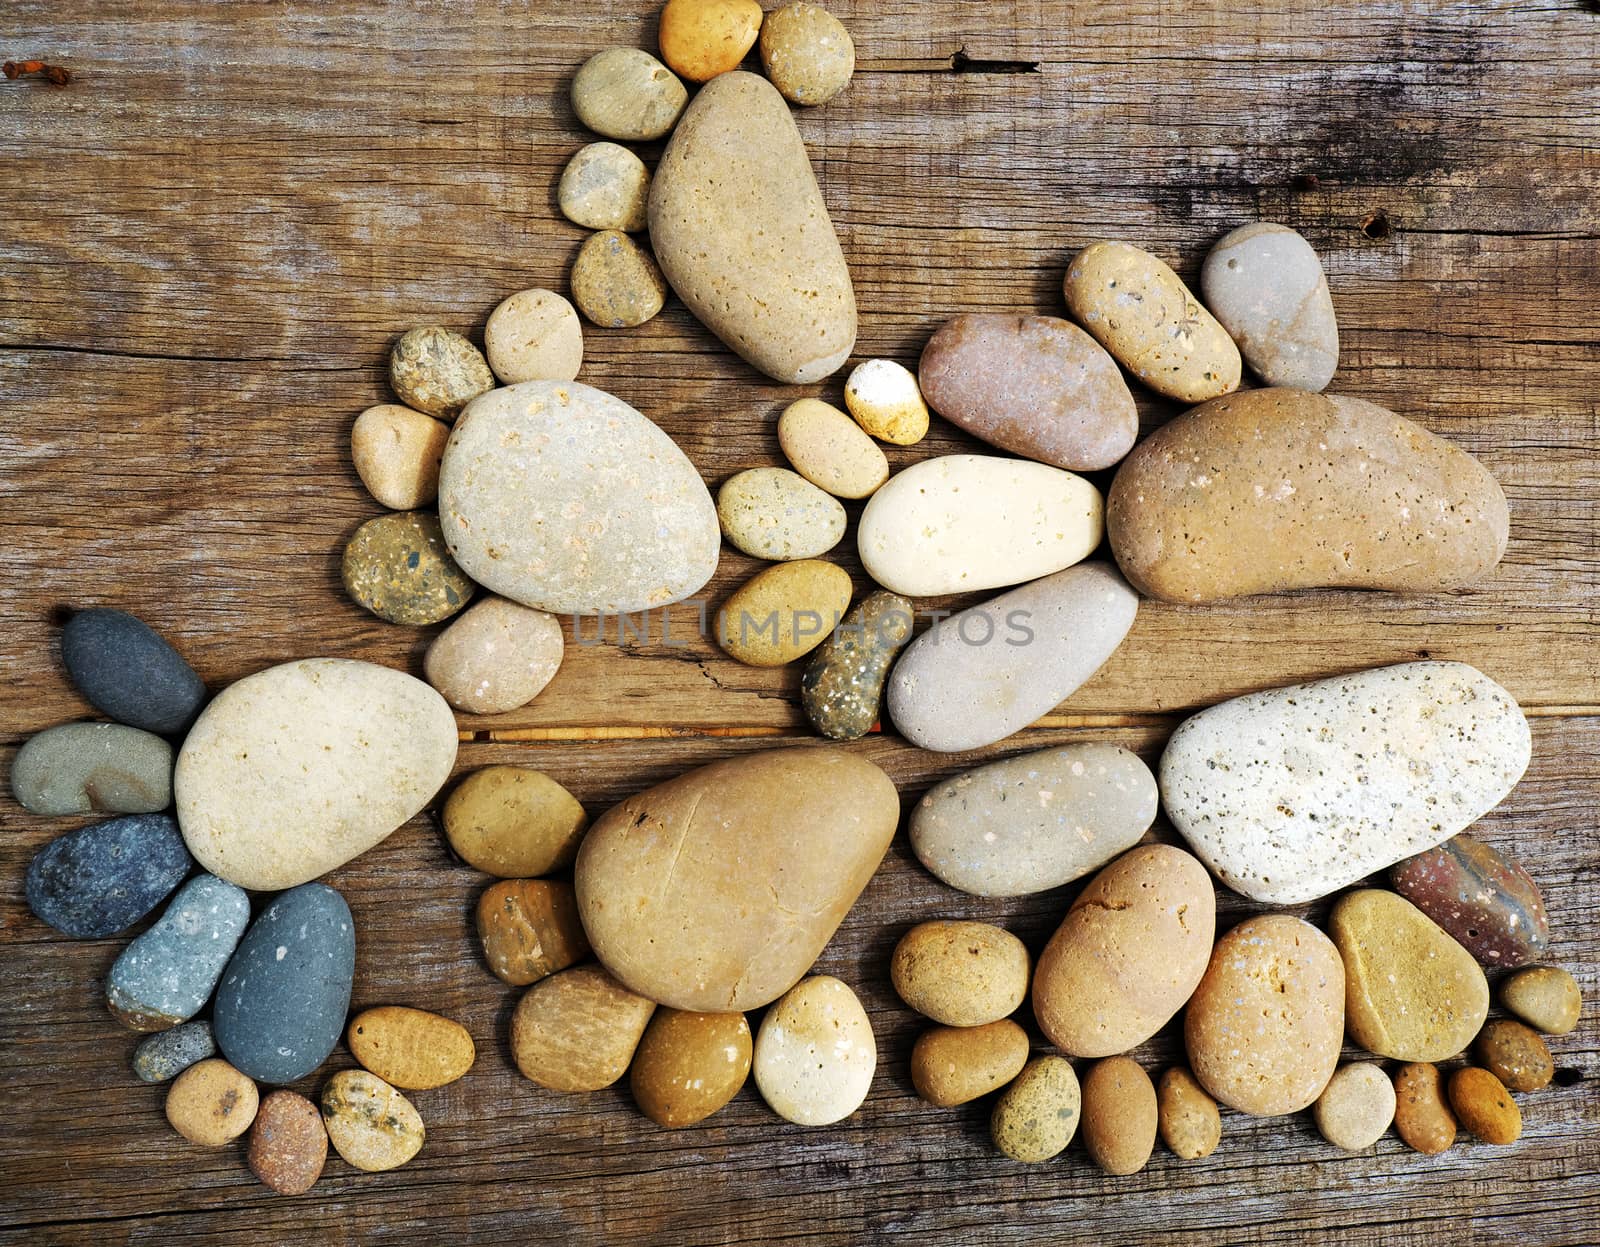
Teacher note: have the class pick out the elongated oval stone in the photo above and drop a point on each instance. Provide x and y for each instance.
(1296, 792)
(843, 686)
(127, 671)
(103, 878)
(1488, 903)
(1266, 286)
(166, 975)
(103, 768)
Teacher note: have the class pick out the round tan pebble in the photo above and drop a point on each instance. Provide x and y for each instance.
(1484, 1106)
(815, 1053)
(396, 453)
(784, 612)
(1422, 1115)
(1356, 1106)
(499, 655)
(615, 282)
(577, 1030)
(211, 1103)
(831, 450)
(398, 567)
(773, 513)
(1545, 997)
(437, 371)
(529, 929)
(604, 187)
(703, 38)
(955, 1064)
(688, 1065)
(807, 53)
(1037, 1115)
(369, 1123)
(1190, 1124)
(513, 822)
(288, 1143)
(885, 401)
(535, 335)
(1119, 1115)
(627, 94)
(411, 1048)
(960, 973)
(1515, 1055)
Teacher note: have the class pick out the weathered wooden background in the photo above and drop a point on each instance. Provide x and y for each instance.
(208, 241)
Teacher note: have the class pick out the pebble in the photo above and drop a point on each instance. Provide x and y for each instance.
(397, 567)
(1293, 793)
(411, 1048)
(211, 1103)
(566, 499)
(1422, 1115)
(166, 1054)
(288, 1143)
(886, 402)
(1282, 971)
(498, 656)
(1129, 953)
(281, 1004)
(1545, 997)
(815, 1053)
(978, 676)
(703, 38)
(396, 452)
(1412, 992)
(1037, 386)
(167, 974)
(960, 973)
(742, 233)
(93, 768)
(773, 513)
(1146, 317)
(1488, 903)
(843, 687)
(960, 523)
(437, 371)
(1186, 1116)
(529, 929)
(1266, 287)
(783, 612)
(369, 1123)
(603, 187)
(807, 53)
(535, 335)
(688, 1065)
(830, 449)
(807, 826)
(627, 94)
(293, 771)
(1036, 1116)
(1119, 1115)
(956, 1064)
(1356, 1106)
(615, 282)
(1483, 1105)
(1515, 1055)
(577, 1030)
(1272, 490)
(128, 672)
(1035, 821)
(103, 878)
(513, 822)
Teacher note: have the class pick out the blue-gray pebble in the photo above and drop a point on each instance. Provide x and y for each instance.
(167, 1054)
(281, 1004)
(166, 975)
(103, 878)
(125, 670)
(93, 768)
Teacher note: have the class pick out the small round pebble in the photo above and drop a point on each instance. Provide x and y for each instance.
(93, 768)
(211, 1103)
(499, 655)
(168, 1053)
(1119, 1115)
(885, 401)
(773, 513)
(615, 282)
(514, 822)
(604, 186)
(398, 567)
(437, 371)
(369, 1123)
(703, 38)
(411, 1048)
(1545, 997)
(530, 929)
(396, 453)
(1037, 1115)
(956, 1064)
(807, 53)
(960, 973)
(535, 335)
(688, 1065)
(125, 669)
(1422, 1115)
(1515, 1055)
(288, 1143)
(1356, 1106)
(815, 1053)
(627, 94)
(1190, 1124)
(1483, 1105)
(830, 449)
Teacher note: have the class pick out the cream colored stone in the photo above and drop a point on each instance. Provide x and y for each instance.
(815, 1053)
(627, 94)
(1356, 1106)
(604, 186)
(535, 335)
(496, 657)
(807, 53)
(884, 399)
(830, 449)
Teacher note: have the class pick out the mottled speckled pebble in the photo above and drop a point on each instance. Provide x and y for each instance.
(604, 186)
(397, 566)
(166, 1054)
(784, 612)
(84, 768)
(956, 1064)
(437, 371)
(288, 1143)
(529, 928)
(514, 822)
(815, 1053)
(535, 335)
(166, 975)
(1515, 1055)
(370, 1124)
(497, 656)
(127, 671)
(1356, 1106)
(830, 449)
(886, 401)
(843, 687)
(615, 282)
(1187, 1117)
(1422, 1115)
(960, 973)
(211, 1103)
(1119, 1115)
(624, 93)
(103, 878)
(688, 1065)
(1490, 905)
(1266, 286)
(396, 452)
(773, 513)
(1483, 1106)
(1545, 997)
(807, 53)
(1037, 1115)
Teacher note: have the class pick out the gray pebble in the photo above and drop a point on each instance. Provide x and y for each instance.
(166, 975)
(127, 671)
(167, 1054)
(93, 768)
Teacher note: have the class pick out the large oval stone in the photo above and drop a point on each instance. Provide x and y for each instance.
(717, 890)
(127, 671)
(1488, 903)
(103, 878)
(561, 497)
(1296, 792)
(742, 234)
(166, 975)
(293, 771)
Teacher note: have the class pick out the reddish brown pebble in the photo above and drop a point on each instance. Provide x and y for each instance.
(288, 1143)
(1119, 1115)
(1422, 1116)
(1489, 904)
(688, 1065)
(1515, 1055)
(529, 929)
(1484, 1106)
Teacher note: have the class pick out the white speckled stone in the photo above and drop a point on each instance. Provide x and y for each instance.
(815, 1053)
(773, 513)
(1266, 285)
(1296, 792)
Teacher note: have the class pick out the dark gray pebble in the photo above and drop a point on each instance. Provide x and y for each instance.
(169, 1053)
(103, 878)
(125, 670)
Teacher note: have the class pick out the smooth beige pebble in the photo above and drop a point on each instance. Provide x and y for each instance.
(1356, 1106)
(886, 401)
(535, 335)
(212, 1103)
(830, 449)
(396, 453)
(497, 656)
(605, 186)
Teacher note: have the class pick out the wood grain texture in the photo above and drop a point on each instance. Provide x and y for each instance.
(210, 239)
